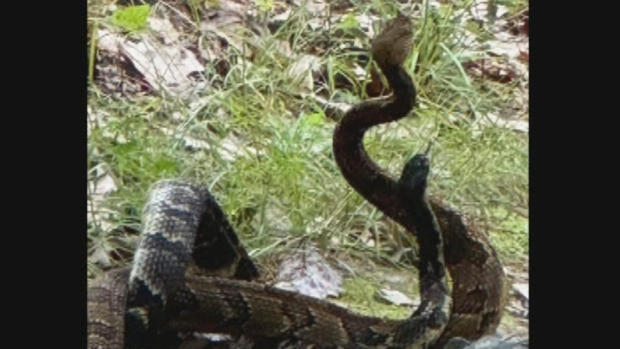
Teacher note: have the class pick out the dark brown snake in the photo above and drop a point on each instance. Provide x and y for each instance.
(188, 271)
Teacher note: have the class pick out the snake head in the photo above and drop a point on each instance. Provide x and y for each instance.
(394, 43)
(415, 174)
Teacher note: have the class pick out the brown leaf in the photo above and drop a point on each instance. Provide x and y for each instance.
(490, 69)
(307, 272)
(166, 67)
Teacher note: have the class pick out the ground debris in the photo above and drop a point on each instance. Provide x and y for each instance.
(307, 272)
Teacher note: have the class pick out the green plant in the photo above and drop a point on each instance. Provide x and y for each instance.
(131, 18)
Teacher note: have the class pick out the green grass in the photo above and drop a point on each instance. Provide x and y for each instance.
(359, 295)
(286, 164)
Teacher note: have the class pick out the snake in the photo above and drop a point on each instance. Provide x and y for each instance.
(191, 274)
(479, 285)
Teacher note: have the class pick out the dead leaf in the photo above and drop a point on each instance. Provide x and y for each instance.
(169, 68)
(100, 257)
(522, 290)
(308, 273)
(99, 187)
(490, 69)
(513, 124)
(302, 71)
(394, 297)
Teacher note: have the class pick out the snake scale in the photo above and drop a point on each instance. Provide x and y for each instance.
(192, 275)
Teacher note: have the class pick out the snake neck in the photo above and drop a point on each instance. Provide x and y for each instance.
(432, 264)
(356, 166)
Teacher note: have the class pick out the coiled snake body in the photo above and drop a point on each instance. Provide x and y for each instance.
(188, 270)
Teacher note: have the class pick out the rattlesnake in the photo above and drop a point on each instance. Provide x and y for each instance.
(165, 296)
(479, 290)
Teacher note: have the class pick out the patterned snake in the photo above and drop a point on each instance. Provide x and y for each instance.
(191, 274)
